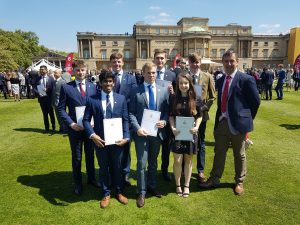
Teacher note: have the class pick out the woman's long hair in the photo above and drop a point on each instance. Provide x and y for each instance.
(191, 95)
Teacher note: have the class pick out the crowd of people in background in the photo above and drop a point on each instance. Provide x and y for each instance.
(185, 91)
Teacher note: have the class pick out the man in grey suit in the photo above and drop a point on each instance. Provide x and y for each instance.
(148, 95)
(167, 79)
(60, 79)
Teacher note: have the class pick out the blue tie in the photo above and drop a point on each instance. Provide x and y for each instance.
(158, 75)
(108, 108)
(152, 104)
(117, 83)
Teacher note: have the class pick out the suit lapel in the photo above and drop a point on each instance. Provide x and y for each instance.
(143, 93)
(100, 103)
(233, 83)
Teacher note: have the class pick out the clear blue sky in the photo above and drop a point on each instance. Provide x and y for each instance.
(56, 22)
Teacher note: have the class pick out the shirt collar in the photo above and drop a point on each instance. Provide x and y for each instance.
(103, 94)
(119, 73)
(146, 84)
(163, 70)
(78, 82)
(233, 74)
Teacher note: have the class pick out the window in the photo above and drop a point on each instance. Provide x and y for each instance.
(166, 31)
(255, 53)
(126, 43)
(167, 51)
(115, 43)
(255, 43)
(175, 31)
(126, 54)
(114, 50)
(265, 53)
(157, 31)
(143, 29)
(214, 53)
(86, 53)
(275, 53)
(266, 43)
(222, 51)
(103, 54)
(275, 43)
(103, 43)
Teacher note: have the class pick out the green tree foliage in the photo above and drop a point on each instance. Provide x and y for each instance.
(18, 48)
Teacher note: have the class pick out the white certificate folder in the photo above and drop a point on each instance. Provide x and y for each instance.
(79, 115)
(184, 125)
(149, 120)
(113, 130)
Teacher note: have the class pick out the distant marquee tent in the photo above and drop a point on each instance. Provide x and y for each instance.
(43, 62)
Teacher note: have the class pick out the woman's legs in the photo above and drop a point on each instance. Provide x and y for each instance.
(188, 166)
(177, 168)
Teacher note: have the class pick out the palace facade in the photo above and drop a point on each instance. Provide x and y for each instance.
(191, 34)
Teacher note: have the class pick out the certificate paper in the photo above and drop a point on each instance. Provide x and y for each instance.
(113, 130)
(41, 90)
(79, 115)
(184, 125)
(149, 120)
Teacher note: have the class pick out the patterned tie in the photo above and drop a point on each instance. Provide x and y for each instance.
(158, 75)
(152, 104)
(81, 90)
(225, 94)
(108, 108)
(194, 79)
(117, 83)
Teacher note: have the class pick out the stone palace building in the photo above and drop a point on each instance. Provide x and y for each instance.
(190, 34)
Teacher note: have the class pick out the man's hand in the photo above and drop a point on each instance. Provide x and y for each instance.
(98, 141)
(160, 124)
(141, 132)
(76, 127)
(122, 142)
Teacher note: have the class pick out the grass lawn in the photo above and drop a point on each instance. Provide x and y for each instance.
(36, 178)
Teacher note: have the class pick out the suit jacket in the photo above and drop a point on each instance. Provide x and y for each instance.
(49, 87)
(70, 97)
(127, 84)
(242, 105)
(56, 90)
(208, 94)
(139, 102)
(94, 108)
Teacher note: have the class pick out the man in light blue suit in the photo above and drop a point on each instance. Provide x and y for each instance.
(148, 95)
(106, 105)
(72, 95)
(238, 102)
(124, 83)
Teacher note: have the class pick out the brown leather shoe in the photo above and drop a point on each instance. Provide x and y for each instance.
(104, 202)
(140, 201)
(201, 178)
(122, 199)
(239, 189)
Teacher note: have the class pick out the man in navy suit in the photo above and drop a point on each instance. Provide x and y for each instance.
(43, 88)
(238, 102)
(106, 105)
(124, 83)
(163, 75)
(72, 95)
(148, 95)
(281, 79)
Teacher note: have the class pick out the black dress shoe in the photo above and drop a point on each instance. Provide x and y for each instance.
(154, 192)
(167, 176)
(127, 182)
(94, 183)
(78, 190)
(140, 201)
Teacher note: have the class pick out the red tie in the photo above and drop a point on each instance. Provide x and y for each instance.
(225, 94)
(81, 90)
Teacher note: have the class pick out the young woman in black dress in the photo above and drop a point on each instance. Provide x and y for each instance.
(184, 103)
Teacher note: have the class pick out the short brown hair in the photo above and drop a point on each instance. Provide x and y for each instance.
(79, 64)
(148, 65)
(229, 53)
(194, 57)
(160, 51)
(115, 55)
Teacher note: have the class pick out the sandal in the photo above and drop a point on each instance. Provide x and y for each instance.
(179, 193)
(186, 194)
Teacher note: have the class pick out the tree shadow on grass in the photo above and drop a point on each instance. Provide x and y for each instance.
(56, 189)
(37, 130)
(290, 126)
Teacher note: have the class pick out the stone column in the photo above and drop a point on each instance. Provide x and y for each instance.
(78, 48)
(137, 48)
(140, 49)
(59, 63)
(92, 51)
(187, 45)
(90, 48)
(148, 49)
(81, 51)
(195, 45)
